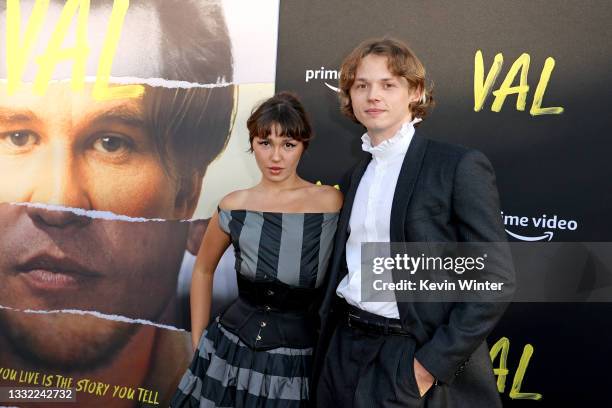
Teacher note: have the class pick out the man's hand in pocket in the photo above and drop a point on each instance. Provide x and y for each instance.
(424, 379)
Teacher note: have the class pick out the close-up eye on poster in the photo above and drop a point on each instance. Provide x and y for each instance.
(284, 203)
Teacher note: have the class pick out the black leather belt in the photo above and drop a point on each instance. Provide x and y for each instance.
(372, 323)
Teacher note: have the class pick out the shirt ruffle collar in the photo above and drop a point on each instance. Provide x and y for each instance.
(396, 145)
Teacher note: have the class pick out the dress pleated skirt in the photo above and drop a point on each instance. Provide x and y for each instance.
(225, 372)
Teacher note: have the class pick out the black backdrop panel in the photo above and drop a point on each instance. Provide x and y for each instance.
(556, 166)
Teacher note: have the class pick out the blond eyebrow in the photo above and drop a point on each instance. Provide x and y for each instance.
(21, 115)
(123, 114)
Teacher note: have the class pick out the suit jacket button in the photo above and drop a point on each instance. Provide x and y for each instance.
(267, 308)
(258, 337)
(269, 292)
(262, 324)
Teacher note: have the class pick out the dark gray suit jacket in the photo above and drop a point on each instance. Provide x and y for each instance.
(444, 193)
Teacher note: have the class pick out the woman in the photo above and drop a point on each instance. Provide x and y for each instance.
(258, 352)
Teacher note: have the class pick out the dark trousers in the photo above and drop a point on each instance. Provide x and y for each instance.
(368, 370)
(374, 370)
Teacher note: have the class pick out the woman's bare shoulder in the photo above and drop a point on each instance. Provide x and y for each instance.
(328, 198)
(236, 200)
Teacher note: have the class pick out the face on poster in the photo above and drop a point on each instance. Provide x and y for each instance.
(95, 190)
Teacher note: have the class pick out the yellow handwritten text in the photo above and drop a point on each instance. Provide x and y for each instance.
(18, 50)
(336, 186)
(82, 385)
(482, 86)
(501, 348)
(123, 392)
(92, 387)
(8, 374)
(28, 377)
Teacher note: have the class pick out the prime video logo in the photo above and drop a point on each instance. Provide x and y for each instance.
(322, 74)
(550, 223)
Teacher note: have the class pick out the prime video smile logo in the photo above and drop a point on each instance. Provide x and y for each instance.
(322, 74)
(545, 222)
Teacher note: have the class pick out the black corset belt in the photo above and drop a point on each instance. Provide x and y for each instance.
(271, 314)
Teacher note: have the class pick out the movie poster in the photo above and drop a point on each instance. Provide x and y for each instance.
(122, 125)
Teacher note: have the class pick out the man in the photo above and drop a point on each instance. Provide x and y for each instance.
(388, 354)
(107, 167)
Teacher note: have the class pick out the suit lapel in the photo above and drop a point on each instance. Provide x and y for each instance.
(404, 189)
(336, 269)
(345, 216)
(409, 173)
(349, 198)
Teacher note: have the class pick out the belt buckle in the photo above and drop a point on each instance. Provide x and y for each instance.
(350, 316)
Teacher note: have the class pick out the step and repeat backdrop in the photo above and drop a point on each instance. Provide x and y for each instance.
(528, 84)
(123, 123)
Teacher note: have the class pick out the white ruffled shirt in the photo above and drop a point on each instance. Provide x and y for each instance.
(371, 213)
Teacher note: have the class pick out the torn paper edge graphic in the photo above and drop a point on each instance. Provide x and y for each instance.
(154, 82)
(117, 318)
(96, 214)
